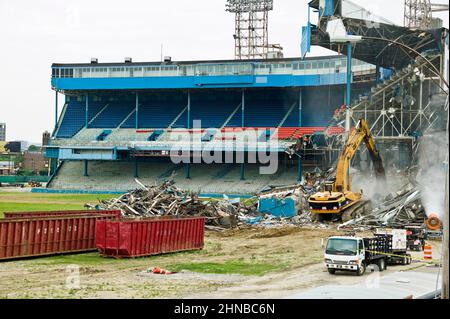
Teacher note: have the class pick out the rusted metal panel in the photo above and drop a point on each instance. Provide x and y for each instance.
(116, 213)
(40, 236)
(135, 238)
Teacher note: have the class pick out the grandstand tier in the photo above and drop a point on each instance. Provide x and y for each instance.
(122, 120)
(311, 107)
(206, 179)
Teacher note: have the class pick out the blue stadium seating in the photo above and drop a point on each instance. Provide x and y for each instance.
(113, 115)
(263, 108)
(293, 118)
(236, 120)
(159, 115)
(212, 114)
(319, 105)
(75, 117)
(130, 122)
(263, 115)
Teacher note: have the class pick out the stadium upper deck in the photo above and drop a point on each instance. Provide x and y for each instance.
(293, 72)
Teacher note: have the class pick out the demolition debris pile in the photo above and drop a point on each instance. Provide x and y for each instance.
(167, 200)
(397, 210)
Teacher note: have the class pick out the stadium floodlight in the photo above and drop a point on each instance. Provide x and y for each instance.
(251, 27)
(239, 6)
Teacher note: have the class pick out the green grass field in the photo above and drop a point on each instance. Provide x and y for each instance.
(17, 202)
(229, 267)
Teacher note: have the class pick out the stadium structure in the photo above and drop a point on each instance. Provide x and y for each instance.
(124, 120)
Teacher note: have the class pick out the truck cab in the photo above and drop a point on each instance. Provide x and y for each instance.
(345, 253)
(351, 253)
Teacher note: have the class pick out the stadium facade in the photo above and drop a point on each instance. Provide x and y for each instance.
(120, 118)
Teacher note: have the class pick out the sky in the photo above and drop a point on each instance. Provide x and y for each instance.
(37, 33)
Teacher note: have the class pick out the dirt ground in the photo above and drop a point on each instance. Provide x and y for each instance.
(281, 249)
(292, 255)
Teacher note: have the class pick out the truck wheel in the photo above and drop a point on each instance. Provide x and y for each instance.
(405, 260)
(331, 271)
(409, 260)
(382, 264)
(361, 270)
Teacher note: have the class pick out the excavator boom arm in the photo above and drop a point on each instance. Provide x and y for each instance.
(360, 134)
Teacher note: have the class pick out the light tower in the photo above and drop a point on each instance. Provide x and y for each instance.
(251, 28)
(419, 13)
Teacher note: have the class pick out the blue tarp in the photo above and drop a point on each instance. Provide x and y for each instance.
(283, 208)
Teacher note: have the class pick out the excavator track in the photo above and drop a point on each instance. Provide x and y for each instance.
(357, 210)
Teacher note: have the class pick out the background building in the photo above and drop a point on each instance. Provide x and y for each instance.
(35, 162)
(2, 131)
(6, 167)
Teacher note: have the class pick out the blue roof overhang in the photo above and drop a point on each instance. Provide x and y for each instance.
(198, 82)
(260, 147)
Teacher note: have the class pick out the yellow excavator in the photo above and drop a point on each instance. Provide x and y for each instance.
(338, 200)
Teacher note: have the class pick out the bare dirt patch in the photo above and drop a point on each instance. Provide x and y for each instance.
(288, 249)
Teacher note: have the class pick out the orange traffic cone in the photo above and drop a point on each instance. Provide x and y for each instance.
(160, 271)
(427, 252)
(156, 270)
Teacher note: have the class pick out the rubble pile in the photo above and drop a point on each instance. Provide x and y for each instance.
(167, 200)
(269, 221)
(397, 210)
(299, 193)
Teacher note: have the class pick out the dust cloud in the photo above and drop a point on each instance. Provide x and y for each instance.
(433, 163)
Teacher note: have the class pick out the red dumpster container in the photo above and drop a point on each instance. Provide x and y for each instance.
(136, 238)
(39, 236)
(55, 213)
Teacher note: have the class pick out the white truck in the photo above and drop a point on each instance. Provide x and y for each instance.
(351, 253)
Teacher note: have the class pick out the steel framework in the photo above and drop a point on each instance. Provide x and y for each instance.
(402, 109)
(405, 105)
(251, 27)
(419, 13)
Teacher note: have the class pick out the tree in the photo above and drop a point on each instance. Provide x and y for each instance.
(33, 148)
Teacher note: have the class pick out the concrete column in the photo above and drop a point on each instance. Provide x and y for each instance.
(86, 168)
(243, 109)
(137, 110)
(56, 108)
(188, 165)
(189, 110)
(242, 171)
(87, 111)
(300, 107)
(188, 171)
(243, 125)
(348, 95)
(136, 168)
(299, 169)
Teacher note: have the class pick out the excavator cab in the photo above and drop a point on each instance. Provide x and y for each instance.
(329, 186)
